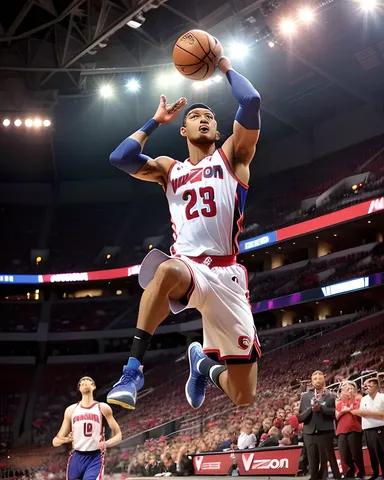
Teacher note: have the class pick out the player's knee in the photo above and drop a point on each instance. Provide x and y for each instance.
(244, 398)
(168, 274)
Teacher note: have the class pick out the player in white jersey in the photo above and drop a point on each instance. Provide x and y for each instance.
(206, 196)
(83, 427)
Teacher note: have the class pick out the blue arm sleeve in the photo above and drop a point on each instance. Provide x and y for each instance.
(128, 157)
(248, 114)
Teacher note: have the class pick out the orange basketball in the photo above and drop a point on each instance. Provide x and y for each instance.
(196, 54)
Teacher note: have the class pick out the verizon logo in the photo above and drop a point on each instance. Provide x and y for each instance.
(376, 205)
(197, 175)
(207, 465)
(263, 464)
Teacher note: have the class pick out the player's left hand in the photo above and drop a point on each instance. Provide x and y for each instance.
(224, 65)
(102, 445)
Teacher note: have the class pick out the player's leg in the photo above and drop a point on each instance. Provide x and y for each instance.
(239, 382)
(172, 280)
(238, 379)
(229, 334)
(76, 466)
(95, 467)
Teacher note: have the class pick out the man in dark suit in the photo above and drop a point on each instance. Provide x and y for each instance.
(317, 412)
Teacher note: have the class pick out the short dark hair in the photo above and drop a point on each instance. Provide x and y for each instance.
(374, 380)
(317, 371)
(86, 378)
(192, 107)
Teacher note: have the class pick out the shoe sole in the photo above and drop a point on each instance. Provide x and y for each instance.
(189, 378)
(121, 404)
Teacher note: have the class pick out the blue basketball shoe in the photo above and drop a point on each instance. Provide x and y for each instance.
(124, 392)
(196, 385)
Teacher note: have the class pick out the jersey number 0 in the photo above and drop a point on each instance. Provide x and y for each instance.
(207, 194)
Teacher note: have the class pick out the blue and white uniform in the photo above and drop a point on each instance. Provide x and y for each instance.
(86, 461)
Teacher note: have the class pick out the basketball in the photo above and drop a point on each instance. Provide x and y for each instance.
(196, 54)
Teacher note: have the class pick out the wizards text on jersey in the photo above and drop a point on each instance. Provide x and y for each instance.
(196, 175)
(86, 416)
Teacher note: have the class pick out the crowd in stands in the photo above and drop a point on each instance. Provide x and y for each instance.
(282, 202)
(19, 317)
(344, 353)
(343, 267)
(70, 249)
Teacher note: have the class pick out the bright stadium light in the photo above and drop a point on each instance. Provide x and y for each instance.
(133, 85)
(37, 122)
(271, 44)
(17, 122)
(287, 27)
(238, 50)
(106, 91)
(197, 85)
(176, 78)
(162, 80)
(28, 122)
(47, 123)
(217, 78)
(6, 122)
(368, 5)
(306, 15)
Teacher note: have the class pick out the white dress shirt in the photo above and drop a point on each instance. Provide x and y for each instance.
(375, 405)
(246, 441)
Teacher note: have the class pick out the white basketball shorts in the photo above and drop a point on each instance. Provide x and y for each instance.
(220, 294)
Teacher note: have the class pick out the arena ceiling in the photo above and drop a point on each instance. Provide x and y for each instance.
(62, 49)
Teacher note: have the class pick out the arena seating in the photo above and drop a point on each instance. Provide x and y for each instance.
(280, 384)
(90, 314)
(280, 194)
(112, 224)
(19, 316)
(337, 268)
(20, 227)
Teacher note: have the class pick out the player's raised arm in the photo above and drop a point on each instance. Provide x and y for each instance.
(246, 127)
(114, 426)
(128, 157)
(64, 435)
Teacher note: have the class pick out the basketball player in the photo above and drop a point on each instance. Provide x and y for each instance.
(206, 196)
(83, 427)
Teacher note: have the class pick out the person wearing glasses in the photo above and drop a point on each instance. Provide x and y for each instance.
(372, 413)
(349, 431)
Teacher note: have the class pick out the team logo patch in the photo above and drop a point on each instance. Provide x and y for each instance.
(244, 342)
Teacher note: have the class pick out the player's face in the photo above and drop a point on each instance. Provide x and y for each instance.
(200, 127)
(86, 386)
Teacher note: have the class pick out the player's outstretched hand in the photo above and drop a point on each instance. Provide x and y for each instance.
(167, 112)
(224, 65)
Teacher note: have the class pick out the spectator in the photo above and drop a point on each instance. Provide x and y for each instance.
(272, 440)
(349, 431)
(246, 439)
(230, 443)
(288, 436)
(168, 465)
(372, 412)
(184, 463)
(153, 466)
(317, 412)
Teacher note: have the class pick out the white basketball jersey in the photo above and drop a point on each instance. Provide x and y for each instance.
(87, 427)
(206, 202)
